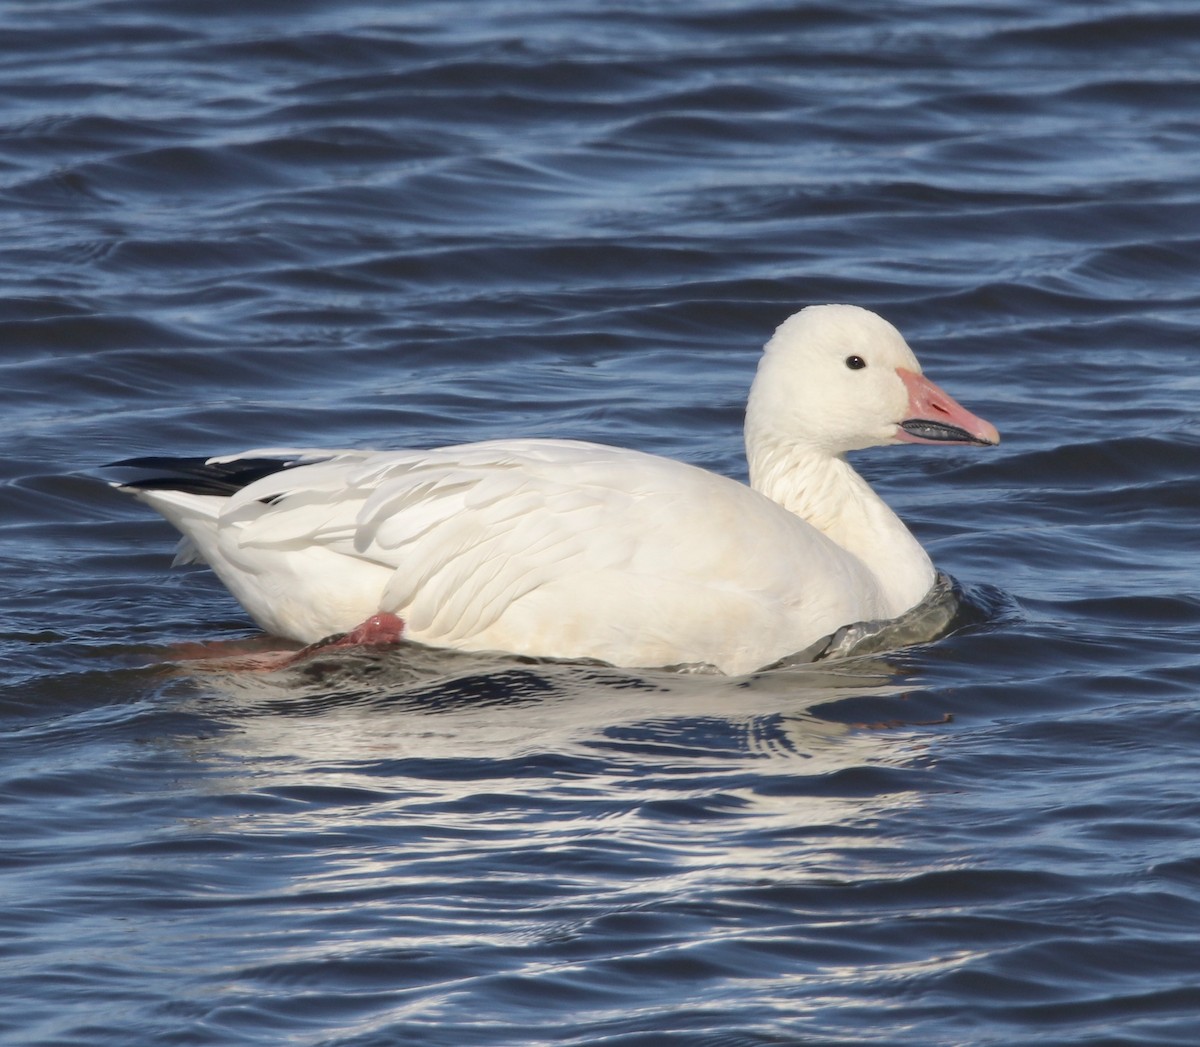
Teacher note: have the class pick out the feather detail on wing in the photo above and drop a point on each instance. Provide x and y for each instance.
(539, 545)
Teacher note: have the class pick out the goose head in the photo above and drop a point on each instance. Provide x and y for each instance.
(837, 378)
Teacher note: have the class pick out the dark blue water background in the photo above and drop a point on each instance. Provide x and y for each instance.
(400, 224)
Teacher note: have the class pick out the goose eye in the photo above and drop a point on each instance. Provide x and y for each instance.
(855, 363)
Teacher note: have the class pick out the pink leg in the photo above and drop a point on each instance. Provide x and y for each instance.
(256, 654)
(231, 650)
(383, 627)
(378, 630)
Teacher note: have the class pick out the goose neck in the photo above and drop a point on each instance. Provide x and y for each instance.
(827, 492)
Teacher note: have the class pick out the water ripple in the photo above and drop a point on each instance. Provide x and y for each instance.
(402, 225)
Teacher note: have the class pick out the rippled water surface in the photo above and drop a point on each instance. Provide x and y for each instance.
(402, 224)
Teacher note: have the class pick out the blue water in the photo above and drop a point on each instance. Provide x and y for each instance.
(386, 224)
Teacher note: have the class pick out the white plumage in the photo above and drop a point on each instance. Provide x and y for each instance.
(570, 549)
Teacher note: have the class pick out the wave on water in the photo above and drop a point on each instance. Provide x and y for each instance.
(408, 225)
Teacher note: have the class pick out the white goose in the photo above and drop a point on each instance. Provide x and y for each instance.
(577, 550)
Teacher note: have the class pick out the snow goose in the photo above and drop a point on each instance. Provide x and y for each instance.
(578, 550)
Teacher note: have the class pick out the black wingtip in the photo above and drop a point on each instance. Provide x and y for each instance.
(196, 475)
